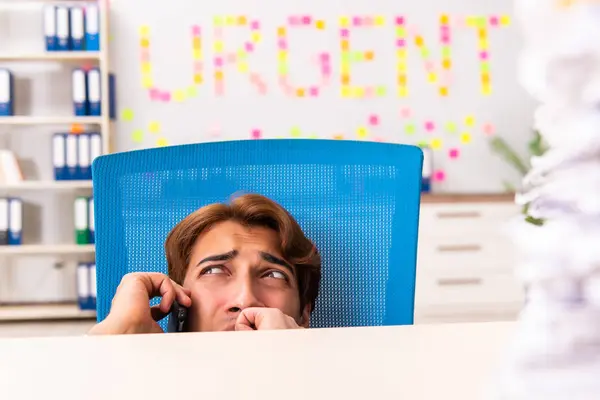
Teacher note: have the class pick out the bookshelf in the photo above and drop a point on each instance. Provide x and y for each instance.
(69, 252)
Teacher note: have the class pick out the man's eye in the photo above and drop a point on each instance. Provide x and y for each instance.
(276, 275)
(212, 270)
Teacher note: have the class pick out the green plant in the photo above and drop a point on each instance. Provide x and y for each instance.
(536, 147)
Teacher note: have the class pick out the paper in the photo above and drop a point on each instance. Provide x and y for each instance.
(256, 134)
(137, 136)
(454, 153)
(465, 138)
(373, 120)
(154, 127)
(162, 142)
(127, 115)
(439, 175)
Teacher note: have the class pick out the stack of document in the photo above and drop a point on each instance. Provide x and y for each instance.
(73, 154)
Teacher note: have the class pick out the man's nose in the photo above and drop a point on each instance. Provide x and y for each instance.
(245, 297)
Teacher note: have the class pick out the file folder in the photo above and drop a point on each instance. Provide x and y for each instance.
(6, 93)
(92, 229)
(83, 156)
(15, 221)
(81, 220)
(83, 286)
(94, 92)
(427, 170)
(93, 291)
(112, 97)
(50, 28)
(77, 21)
(95, 146)
(71, 157)
(63, 34)
(3, 221)
(92, 28)
(80, 97)
(59, 156)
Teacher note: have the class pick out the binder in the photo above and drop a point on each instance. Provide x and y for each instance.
(6, 93)
(50, 28)
(80, 98)
(112, 97)
(3, 221)
(63, 34)
(71, 157)
(95, 146)
(83, 156)
(77, 21)
(81, 220)
(92, 28)
(59, 156)
(92, 229)
(92, 285)
(15, 221)
(83, 286)
(94, 92)
(427, 170)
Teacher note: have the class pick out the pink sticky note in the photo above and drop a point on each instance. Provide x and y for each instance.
(445, 39)
(313, 91)
(483, 55)
(145, 56)
(255, 78)
(165, 96)
(494, 21)
(368, 21)
(249, 47)
(218, 61)
(454, 153)
(439, 175)
(429, 126)
(154, 94)
(254, 25)
(231, 58)
(400, 43)
(373, 120)
(357, 21)
(488, 129)
(405, 112)
(344, 32)
(219, 89)
(369, 92)
(198, 66)
(262, 88)
(282, 44)
(429, 66)
(326, 70)
(196, 30)
(293, 20)
(256, 134)
(218, 32)
(399, 20)
(324, 57)
(307, 20)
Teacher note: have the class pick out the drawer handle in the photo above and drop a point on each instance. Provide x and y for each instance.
(459, 214)
(459, 247)
(459, 282)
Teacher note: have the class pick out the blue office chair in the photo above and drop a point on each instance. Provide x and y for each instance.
(358, 201)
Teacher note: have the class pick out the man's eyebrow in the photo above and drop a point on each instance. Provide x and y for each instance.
(220, 257)
(276, 260)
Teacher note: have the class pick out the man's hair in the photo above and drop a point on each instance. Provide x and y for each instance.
(250, 210)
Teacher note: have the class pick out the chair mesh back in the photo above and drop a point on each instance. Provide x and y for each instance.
(358, 201)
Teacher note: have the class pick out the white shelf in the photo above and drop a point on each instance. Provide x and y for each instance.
(44, 312)
(31, 120)
(47, 249)
(46, 185)
(58, 56)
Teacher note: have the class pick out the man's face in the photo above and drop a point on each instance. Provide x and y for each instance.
(233, 267)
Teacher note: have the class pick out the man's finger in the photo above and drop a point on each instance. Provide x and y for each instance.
(157, 313)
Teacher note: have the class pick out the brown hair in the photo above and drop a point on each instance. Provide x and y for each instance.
(249, 210)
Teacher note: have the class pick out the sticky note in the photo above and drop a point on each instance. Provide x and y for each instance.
(504, 20)
(344, 21)
(465, 137)
(469, 120)
(154, 127)
(127, 115)
(439, 175)
(77, 128)
(295, 132)
(179, 96)
(379, 20)
(409, 129)
(373, 120)
(144, 30)
(436, 144)
(380, 91)
(338, 136)
(192, 91)
(450, 127)
(161, 142)
(454, 153)
(137, 136)
(429, 126)
(405, 112)
(256, 134)
(361, 132)
(488, 129)
(218, 21)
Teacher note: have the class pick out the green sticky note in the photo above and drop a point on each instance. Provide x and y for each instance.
(446, 51)
(481, 22)
(345, 57)
(137, 136)
(218, 21)
(380, 91)
(283, 69)
(485, 66)
(425, 52)
(450, 127)
(127, 115)
(192, 91)
(409, 129)
(295, 132)
(422, 144)
(357, 56)
(401, 31)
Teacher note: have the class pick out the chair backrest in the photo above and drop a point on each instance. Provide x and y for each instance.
(358, 201)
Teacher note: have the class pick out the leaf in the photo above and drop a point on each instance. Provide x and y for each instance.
(500, 147)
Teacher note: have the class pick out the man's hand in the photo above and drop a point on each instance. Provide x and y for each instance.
(260, 319)
(131, 312)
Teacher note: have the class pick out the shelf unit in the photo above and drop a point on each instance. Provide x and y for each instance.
(102, 124)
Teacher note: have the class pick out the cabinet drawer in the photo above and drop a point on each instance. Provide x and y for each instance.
(464, 288)
(442, 220)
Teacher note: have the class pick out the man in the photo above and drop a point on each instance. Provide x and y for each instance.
(242, 266)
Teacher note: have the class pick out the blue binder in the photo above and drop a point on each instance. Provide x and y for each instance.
(112, 97)
(77, 21)
(92, 278)
(71, 158)
(94, 91)
(92, 28)
(91, 227)
(15, 221)
(50, 28)
(6, 93)
(63, 34)
(427, 170)
(83, 286)
(84, 156)
(59, 156)
(80, 95)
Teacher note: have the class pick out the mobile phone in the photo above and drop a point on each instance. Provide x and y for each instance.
(177, 318)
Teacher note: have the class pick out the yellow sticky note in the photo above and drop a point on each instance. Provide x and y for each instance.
(154, 127)
(379, 20)
(358, 92)
(242, 67)
(179, 95)
(436, 144)
(346, 91)
(146, 67)
(147, 82)
(504, 20)
(127, 115)
(256, 37)
(137, 136)
(230, 20)
(403, 91)
(192, 91)
(465, 137)
(295, 132)
(344, 21)
(320, 24)
(218, 46)
(144, 30)
(470, 120)
(486, 90)
(162, 142)
(197, 54)
(361, 132)
(432, 77)
(282, 55)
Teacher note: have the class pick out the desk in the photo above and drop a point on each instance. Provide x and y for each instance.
(428, 362)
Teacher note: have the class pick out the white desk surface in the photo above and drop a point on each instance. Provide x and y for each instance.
(433, 362)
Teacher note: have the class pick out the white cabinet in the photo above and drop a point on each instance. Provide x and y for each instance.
(466, 262)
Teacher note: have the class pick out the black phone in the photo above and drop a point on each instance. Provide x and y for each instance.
(177, 318)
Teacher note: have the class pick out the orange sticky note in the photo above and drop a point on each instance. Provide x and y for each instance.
(77, 128)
